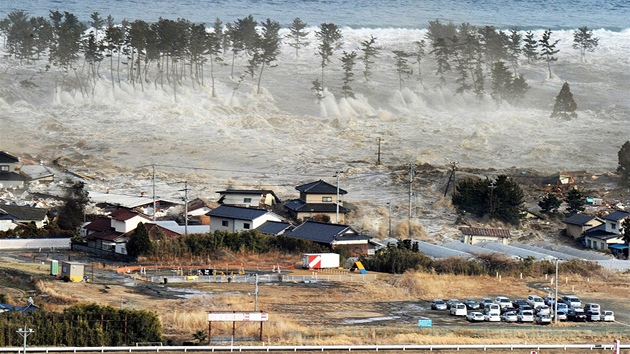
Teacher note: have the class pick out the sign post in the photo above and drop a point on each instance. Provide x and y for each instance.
(236, 317)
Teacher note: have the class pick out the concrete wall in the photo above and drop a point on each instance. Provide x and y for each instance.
(35, 244)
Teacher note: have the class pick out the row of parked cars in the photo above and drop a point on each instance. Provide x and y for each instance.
(532, 309)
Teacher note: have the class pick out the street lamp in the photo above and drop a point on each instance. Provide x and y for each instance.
(555, 302)
(337, 173)
(24, 332)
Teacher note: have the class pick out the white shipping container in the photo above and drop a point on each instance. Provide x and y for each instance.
(320, 260)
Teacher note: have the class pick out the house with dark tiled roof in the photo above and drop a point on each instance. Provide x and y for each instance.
(318, 198)
(12, 215)
(274, 228)
(9, 175)
(473, 235)
(250, 198)
(579, 223)
(333, 236)
(237, 219)
(111, 233)
(609, 233)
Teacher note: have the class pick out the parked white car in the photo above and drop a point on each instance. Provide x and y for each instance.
(492, 308)
(503, 302)
(535, 301)
(608, 316)
(543, 318)
(492, 317)
(572, 301)
(544, 309)
(592, 307)
(475, 316)
(525, 316)
(509, 317)
(458, 310)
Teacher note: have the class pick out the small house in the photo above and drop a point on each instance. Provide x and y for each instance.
(318, 198)
(73, 270)
(473, 235)
(579, 223)
(249, 198)
(237, 219)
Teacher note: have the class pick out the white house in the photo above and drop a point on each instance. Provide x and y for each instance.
(250, 198)
(237, 219)
(473, 235)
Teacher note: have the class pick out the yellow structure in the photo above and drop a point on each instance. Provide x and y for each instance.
(73, 270)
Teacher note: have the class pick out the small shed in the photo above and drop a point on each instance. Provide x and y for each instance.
(73, 270)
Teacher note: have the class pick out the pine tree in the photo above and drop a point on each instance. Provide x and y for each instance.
(548, 49)
(402, 66)
(419, 55)
(479, 78)
(442, 53)
(370, 52)
(516, 89)
(297, 35)
(348, 62)
(330, 39)
(268, 47)
(215, 42)
(530, 48)
(549, 204)
(501, 79)
(139, 243)
(575, 201)
(565, 106)
(584, 41)
(514, 48)
(624, 163)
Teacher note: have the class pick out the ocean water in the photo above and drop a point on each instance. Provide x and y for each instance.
(612, 15)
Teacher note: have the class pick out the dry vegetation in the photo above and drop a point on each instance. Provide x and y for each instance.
(384, 311)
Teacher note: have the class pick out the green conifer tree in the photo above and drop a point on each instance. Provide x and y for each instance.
(565, 106)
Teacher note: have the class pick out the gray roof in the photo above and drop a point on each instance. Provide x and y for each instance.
(588, 255)
(273, 227)
(181, 229)
(617, 215)
(579, 219)
(435, 251)
(238, 213)
(599, 232)
(514, 251)
(12, 176)
(298, 205)
(23, 212)
(322, 232)
(319, 187)
(250, 191)
(559, 255)
(126, 201)
(468, 248)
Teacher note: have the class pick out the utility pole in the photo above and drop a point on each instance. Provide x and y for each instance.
(256, 294)
(185, 190)
(378, 159)
(411, 172)
(154, 203)
(555, 301)
(24, 333)
(337, 173)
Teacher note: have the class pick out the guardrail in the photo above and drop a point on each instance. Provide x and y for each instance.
(263, 278)
(319, 348)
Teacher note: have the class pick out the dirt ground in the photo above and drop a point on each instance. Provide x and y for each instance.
(382, 311)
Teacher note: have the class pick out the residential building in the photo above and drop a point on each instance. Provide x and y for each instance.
(607, 234)
(473, 235)
(250, 198)
(237, 219)
(318, 198)
(333, 236)
(12, 215)
(9, 175)
(577, 224)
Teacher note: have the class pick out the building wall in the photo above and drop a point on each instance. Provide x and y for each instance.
(574, 231)
(35, 244)
(473, 239)
(319, 198)
(332, 216)
(242, 200)
(128, 225)
(598, 244)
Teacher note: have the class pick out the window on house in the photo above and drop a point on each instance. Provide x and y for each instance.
(613, 226)
(4, 168)
(224, 223)
(246, 226)
(247, 200)
(327, 199)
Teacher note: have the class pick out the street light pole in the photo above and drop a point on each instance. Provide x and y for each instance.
(24, 333)
(555, 302)
(256, 294)
(337, 173)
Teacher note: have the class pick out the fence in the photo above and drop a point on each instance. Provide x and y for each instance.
(263, 278)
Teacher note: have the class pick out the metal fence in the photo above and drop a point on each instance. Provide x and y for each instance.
(319, 348)
(263, 278)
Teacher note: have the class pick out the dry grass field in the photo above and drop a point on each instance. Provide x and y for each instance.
(382, 311)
